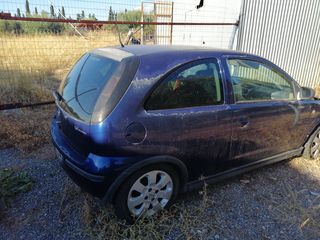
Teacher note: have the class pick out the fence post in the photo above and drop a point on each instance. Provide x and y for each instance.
(142, 18)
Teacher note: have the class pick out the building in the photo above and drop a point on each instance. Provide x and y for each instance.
(287, 32)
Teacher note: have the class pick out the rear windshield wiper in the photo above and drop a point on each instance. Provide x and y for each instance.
(57, 96)
(78, 95)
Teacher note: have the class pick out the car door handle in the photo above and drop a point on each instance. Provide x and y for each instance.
(243, 122)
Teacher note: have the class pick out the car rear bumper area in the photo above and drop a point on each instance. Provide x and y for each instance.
(78, 167)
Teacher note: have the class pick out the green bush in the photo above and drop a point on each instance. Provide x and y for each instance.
(13, 182)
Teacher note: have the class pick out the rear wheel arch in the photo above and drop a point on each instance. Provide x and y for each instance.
(173, 162)
(308, 142)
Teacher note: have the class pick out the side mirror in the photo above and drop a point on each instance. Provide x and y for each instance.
(306, 93)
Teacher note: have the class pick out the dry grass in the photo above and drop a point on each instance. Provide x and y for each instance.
(32, 65)
(198, 219)
(25, 129)
(297, 212)
(179, 222)
(299, 206)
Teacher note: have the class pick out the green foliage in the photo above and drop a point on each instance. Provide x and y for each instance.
(11, 27)
(16, 27)
(27, 8)
(18, 12)
(91, 17)
(44, 14)
(52, 27)
(13, 182)
(63, 12)
(52, 14)
(111, 16)
(135, 16)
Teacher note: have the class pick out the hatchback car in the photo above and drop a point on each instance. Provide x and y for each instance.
(136, 125)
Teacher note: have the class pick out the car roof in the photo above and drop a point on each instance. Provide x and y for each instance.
(144, 50)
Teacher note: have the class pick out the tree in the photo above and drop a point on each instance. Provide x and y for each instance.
(63, 12)
(27, 8)
(18, 12)
(82, 15)
(111, 14)
(93, 16)
(36, 11)
(5, 26)
(44, 14)
(89, 15)
(135, 16)
(78, 16)
(55, 28)
(17, 28)
(52, 14)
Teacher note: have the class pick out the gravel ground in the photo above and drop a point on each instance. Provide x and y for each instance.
(37, 213)
(281, 201)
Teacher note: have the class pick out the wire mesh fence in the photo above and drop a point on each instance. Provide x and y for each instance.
(40, 40)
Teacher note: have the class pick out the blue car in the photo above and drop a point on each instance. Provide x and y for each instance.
(136, 125)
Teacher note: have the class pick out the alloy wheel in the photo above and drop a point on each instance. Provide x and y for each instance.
(315, 146)
(150, 193)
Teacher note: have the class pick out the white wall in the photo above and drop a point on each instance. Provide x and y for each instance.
(212, 11)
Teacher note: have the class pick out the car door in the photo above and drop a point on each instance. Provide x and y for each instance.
(188, 117)
(265, 113)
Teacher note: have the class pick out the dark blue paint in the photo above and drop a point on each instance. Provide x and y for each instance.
(208, 140)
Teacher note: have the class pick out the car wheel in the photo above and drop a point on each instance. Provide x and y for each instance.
(147, 192)
(312, 148)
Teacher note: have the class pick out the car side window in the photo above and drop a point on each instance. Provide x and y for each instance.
(195, 84)
(255, 81)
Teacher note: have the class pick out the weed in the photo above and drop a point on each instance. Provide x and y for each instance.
(292, 208)
(13, 182)
(179, 222)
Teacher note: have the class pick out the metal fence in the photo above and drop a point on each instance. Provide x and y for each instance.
(40, 40)
(287, 32)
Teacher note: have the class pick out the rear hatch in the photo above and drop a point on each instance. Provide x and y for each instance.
(90, 92)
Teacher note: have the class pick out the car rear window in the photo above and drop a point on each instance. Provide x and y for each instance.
(96, 83)
(86, 79)
(85, 82)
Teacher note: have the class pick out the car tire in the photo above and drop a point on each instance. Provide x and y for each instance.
(144, 193)
(312, 147)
